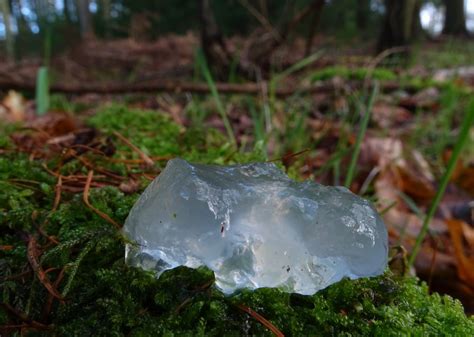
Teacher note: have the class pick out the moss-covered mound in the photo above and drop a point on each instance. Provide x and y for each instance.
(62, 268)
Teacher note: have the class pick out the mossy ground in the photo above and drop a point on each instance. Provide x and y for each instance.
(105, 297)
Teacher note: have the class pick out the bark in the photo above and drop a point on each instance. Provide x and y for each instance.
(22, 23)
(455, 19)
(401, 23)
(9, 38)
(314, 23)
(85, 20)
(212, 42)
(105, 7)
(66, 11)
(362, 14)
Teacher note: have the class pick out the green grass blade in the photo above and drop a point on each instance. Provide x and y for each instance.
(461, 141)
(293, 68)
(42, 91)
(360, 136)
(212, 86)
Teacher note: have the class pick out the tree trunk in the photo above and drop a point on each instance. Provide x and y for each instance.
(455, 19)
(85, 21)
(401, 23)
(67, 11)
(212, 42)
(362, 14)
(106, 16)
(9, 39)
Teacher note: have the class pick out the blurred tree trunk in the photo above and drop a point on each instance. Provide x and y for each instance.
(67, 11)
(9, 39)
(362, 14)
(22, 23)
(85, 20)
(455, 19)
(313, 25)
(401, 23)
(212, 42)
(105, 8)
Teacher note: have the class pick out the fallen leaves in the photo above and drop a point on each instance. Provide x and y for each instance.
(404, 187)
(13, 107)
(464, 255)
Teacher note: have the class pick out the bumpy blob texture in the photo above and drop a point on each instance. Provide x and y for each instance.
(254, 227)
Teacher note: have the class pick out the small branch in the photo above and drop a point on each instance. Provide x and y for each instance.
(260, 18)
(143, 155)
(24, 318)
(49, 302)
(57, 188)
(32, 253)
(88, 204)
(262, 320)
(250, 88)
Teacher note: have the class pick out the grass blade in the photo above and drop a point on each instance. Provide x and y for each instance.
(360, 136)
(212, 86)
(293, 68)
(42, 91)
(462, 138)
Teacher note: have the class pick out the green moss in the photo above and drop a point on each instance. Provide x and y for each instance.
(105, 297)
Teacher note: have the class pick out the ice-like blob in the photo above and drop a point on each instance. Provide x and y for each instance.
(254, 227)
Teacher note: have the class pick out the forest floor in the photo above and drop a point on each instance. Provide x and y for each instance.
(123, 108)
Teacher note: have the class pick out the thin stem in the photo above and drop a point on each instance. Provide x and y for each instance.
(360, 136)
(215, 95)
(462, 138)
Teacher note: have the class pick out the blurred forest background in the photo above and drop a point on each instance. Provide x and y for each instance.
(255, 30)
(375, 95)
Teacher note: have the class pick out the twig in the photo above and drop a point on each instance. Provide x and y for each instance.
(32, 253)
(260, 18)
(88, 204)
(49, 301)
(288, 156)
(262, 320)
(16, 276)
(57, 197)
(98, 169)
(142, 154)
(24, 318)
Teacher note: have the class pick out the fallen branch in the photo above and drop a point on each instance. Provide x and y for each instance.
(249, 88)
(23, 317)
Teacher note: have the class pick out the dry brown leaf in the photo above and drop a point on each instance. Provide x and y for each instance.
(400, 171)
(130, 186)
(465, 261)
(468, 232)
(14, 107)
(463, 174)
(387, 116)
